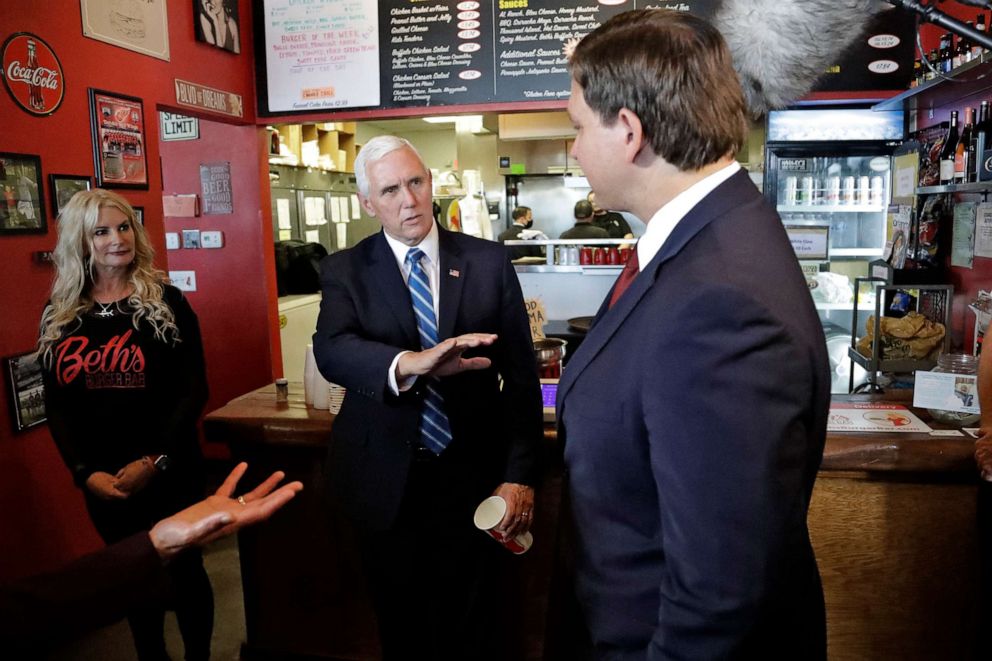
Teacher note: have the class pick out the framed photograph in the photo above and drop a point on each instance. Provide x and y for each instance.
(63, 187)
(139, 213)
(117, 123)
(139, 26)
(22, 205)
(27, 393)
(216, 23)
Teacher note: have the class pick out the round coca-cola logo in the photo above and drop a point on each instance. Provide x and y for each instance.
(32, 74)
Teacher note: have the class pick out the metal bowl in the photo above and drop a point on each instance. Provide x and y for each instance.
(549, 350)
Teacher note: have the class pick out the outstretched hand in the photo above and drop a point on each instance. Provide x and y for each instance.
(445, 358)
(220, 515)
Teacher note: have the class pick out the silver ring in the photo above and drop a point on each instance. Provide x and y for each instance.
(241, 499)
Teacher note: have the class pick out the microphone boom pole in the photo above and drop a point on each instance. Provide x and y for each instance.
(933, 15)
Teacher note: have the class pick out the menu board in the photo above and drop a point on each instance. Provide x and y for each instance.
(372, 55)
(321, 54)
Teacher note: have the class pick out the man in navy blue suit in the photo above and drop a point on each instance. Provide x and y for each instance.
(694, 413)
(427, 330)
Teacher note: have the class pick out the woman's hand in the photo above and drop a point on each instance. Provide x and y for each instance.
(104, 486)
(135, 476)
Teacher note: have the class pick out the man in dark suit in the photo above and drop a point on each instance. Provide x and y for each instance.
(427, 330)
(694, 413)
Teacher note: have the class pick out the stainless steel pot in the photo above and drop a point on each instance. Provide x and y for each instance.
(549, 351)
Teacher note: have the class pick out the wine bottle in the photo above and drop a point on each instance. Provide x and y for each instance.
(961, 150)
(981, 140)
(947, 151)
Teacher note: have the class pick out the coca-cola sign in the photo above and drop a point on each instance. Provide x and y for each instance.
(32, 74)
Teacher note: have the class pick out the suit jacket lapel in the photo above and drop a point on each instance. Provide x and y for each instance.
(736, 191)
(392, 289)
(452, 273)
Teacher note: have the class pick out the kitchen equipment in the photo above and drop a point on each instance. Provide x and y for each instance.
(549, 352)
(580, 324)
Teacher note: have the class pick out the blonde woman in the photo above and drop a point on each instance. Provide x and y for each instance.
(124, 386)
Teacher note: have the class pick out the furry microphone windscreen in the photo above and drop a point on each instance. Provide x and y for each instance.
(781, 47)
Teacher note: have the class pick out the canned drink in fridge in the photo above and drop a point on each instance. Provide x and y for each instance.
(791, 190)
(847, 191)
(807, 190)
(833, 190)
(877, 194)
(864, 192)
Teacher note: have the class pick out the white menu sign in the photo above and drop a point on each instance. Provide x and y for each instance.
(321, 54)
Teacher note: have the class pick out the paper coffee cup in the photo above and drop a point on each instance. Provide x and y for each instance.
(488, 515)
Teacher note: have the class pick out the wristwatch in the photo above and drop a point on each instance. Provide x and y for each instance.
(162, 462)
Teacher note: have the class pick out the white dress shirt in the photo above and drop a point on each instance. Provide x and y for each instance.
(663, 222)
(431, 263)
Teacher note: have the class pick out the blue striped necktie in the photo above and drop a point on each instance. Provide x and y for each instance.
(435, 431)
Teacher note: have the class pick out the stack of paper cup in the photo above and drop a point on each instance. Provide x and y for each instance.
(488, 515)
(309, 371)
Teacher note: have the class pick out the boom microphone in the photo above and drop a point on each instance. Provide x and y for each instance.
(781, 47)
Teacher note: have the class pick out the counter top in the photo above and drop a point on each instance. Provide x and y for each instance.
(257, 417)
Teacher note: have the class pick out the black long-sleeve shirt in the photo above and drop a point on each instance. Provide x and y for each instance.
(114, 393)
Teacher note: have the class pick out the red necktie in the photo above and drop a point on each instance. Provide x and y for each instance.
(627, 275)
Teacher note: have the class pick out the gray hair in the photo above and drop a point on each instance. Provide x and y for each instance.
(375, 149)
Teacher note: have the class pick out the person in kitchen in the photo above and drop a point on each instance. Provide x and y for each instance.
(614, 224)
(583, 227)
(427, 330)
(523, 220)
(693, 416)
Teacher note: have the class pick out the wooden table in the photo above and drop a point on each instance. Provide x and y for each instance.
(892, 520)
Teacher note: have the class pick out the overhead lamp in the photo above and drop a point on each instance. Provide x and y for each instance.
(441, 119)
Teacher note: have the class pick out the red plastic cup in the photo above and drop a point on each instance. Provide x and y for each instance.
(488, 515)
(612, 255)
(585, 255)
(598, 256)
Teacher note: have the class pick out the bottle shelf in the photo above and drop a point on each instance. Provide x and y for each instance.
(968, 72)
(831, 208)
(973, 187)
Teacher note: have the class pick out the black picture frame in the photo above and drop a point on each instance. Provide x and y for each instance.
(27, 392)
(213, 16)
(63, 186)
(139, 214)
(120, 146)
(22, 195)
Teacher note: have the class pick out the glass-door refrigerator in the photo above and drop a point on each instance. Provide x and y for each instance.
(828, 173)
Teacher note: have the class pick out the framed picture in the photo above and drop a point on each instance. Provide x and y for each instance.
(63, 187)
(22, 205)
(139, 214)
(117, 123)
(216, 23)
(27, 394)
(139, 26)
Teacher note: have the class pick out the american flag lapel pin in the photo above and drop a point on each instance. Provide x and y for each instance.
(454, 273)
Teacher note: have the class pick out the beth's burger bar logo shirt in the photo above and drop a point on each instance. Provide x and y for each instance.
(32, 74)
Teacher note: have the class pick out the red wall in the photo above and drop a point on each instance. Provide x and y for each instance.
(42, 519)
(228, 287)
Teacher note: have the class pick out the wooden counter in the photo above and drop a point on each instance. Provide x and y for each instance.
(893, 522)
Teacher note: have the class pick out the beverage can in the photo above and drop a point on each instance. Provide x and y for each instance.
(876, 187)
(807, 190)
(833, 190)
(791, 190)
(864, 191)
(847, 191)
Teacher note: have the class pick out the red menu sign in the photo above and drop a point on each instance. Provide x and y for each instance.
(32, 74)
